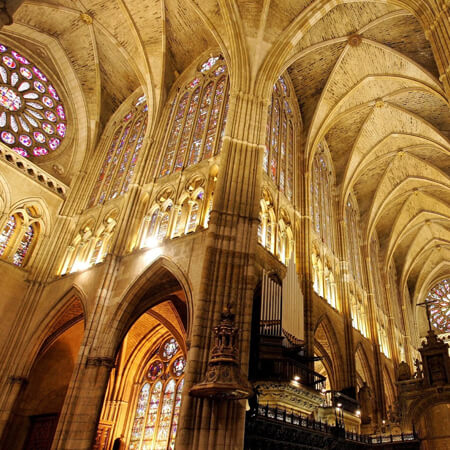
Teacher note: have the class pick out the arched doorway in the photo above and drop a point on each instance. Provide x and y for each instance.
(35, 416)
(141, 408)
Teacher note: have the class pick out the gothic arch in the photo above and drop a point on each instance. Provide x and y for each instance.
(325, 336)
(362, 360)
(50, 320)
(168, 278)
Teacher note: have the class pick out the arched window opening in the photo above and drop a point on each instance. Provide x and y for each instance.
(278, 161)
(322, 205)
(88, 247)
(7, 233)
(24, 246)
(163, 224)
(197, 119)
(121, 157)
(159, 400)
(19, 235)
(353, 233)
(33, 120)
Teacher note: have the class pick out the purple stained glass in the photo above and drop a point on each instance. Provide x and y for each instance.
(61, 112)
(49, 129)
(40, 75)
(39, 86)
(26, 73)
(24, 246)
(155, 370)
(39, 151)
(206, 66)
(3, 49)
(6, 234)
(173, 136)
(195, 148)
(54, 143)
(61, 129)
(53, 92)
(47, 101)
(21, 151)
(7, 137)
(50, 115)
(20, 58)
(39, 137)
(9, 62)
(438, 303)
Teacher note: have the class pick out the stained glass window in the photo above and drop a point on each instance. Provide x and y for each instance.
(138, 423)
(117, 169)
(33, 121)
(438, 303)
(155, 420)
(278, 158)
(322, 199)
(7, 232)
(178, 366)
(24, 246)
(197, 118)
(176, 414)
(156, 370)
(152, 415)
(353, 251)
(166, 416)
(169, 348)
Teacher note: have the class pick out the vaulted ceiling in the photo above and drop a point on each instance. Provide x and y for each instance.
(364, 74)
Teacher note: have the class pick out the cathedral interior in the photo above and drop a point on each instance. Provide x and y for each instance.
(224, 224)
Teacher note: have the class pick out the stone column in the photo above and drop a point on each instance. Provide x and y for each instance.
(229, 274)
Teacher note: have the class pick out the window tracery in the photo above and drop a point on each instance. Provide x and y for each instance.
(117, 169)
(90, 246)
(353, 233)
(33, 121)
(322, 190)
(275, 234)
(438, 304)
(157, 410)
(19, 235)
(197, 119)
(279, 151)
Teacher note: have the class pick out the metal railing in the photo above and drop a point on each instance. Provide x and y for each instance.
(288, 417)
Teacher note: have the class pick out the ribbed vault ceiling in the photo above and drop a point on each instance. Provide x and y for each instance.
(376, 99)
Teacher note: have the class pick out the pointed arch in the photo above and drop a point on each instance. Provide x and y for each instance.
(326, 340)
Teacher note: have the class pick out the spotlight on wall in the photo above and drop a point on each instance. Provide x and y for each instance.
(339, 405)
(296, 378)
(151, 242)
(358, 413)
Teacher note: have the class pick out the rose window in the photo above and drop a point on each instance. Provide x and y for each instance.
(32, 117)
(438, 302)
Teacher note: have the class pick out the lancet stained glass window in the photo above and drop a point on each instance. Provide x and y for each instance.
(33, 121)
(353, 249)
(438, 303)
(117, 169)
(197, 119)
(6, 234)
(155, 421)
(322, 200)
(278, 160)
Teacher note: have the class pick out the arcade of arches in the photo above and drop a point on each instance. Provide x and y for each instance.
(208, 209)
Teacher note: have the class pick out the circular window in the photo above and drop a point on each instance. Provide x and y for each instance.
(178, 366)
(156, 370)
(438, 301)
(32, 117)
(169, 348)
